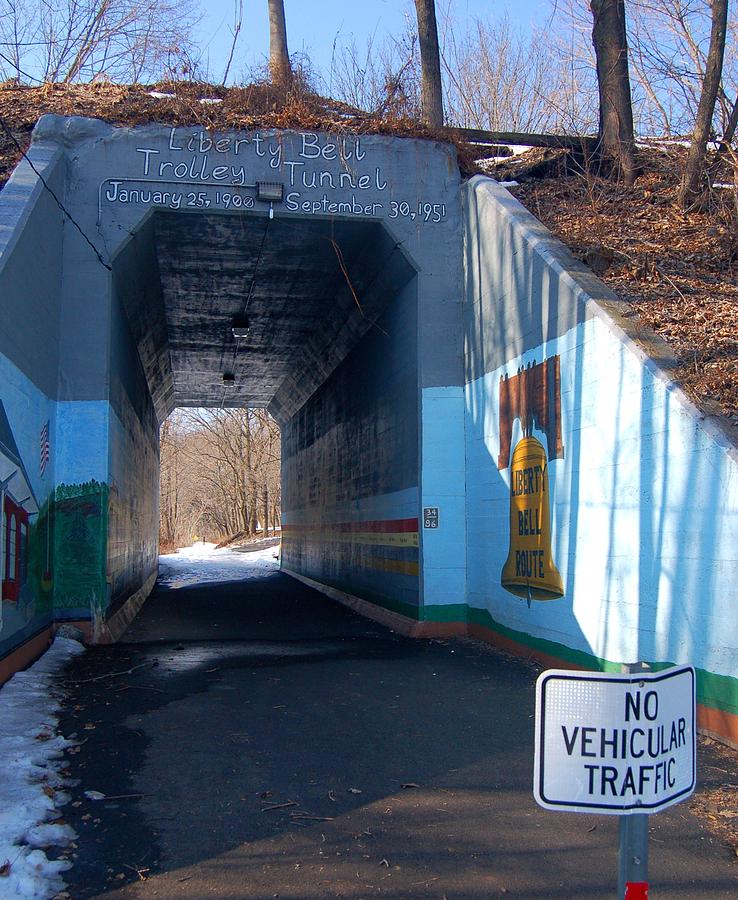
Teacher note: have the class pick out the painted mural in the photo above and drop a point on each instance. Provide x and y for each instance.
(532, 396)
(18, 505)
(53, 548)
(80, 513)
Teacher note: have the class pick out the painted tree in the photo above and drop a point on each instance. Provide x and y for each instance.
(279, 57)
(431, 91)
(691, 185)
(609, 37)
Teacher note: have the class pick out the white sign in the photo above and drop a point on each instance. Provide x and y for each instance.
(614, 744)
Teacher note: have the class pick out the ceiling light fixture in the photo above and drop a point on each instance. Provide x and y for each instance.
(240, 327)
(270, 191)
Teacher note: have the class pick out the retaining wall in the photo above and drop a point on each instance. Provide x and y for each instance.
(643, 488)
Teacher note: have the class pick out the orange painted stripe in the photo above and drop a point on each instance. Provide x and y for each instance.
(28, 653)
(718, 722)
(23, 656)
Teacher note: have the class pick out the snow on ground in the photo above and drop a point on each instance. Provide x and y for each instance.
(202, 563)
(31, 787)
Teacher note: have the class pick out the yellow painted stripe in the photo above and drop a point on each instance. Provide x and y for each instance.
(375, 538)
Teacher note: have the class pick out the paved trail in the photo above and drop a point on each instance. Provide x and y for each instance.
(279, 746)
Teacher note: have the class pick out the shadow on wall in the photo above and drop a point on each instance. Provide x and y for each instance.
(643, 499)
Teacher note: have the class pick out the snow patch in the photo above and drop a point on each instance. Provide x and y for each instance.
(203, 564)
(32, 754)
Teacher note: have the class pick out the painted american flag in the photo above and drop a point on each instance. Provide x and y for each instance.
(45, 447)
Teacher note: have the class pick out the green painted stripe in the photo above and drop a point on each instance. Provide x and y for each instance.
(716, 691)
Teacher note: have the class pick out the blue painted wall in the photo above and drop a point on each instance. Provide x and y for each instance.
(644, 493)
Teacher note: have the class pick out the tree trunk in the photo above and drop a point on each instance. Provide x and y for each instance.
(690, 187)
(730, 128)
(431, 95)
(617, 144)
(279, 58)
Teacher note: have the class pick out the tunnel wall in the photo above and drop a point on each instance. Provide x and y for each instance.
(350, 470)
(39, 481)
(643, 489)
(133, 518)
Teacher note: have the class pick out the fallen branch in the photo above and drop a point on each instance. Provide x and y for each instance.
(279, 806)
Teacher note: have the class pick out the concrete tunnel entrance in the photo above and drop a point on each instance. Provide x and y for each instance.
(330, 306)
(351, 289)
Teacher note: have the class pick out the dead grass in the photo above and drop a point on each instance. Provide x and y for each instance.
(677, 269)
(258, 105)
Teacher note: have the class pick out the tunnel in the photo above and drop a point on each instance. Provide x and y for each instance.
(329, 311)
(478, 436)
(317, 276)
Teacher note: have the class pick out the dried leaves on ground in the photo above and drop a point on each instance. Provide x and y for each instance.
(677, 269)
(258, 105)
(716, 802)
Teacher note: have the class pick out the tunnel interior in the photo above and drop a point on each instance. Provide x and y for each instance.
(310, 289)
(330, 308)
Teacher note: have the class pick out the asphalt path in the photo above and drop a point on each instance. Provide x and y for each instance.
(256, 740)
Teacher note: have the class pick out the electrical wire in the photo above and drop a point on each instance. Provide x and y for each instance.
(249, 295)
(58, 202)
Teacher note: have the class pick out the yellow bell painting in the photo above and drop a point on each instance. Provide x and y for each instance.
(530, 571)
(533, 396)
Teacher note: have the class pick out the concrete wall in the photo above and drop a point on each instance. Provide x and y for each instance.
(41, 469)
(643, 490)
(350, 470)
(133, 518)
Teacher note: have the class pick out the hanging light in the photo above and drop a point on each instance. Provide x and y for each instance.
(240, 327)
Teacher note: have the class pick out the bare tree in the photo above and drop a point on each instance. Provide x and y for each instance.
(617, 142)
(279, 58)
(690, 187)
(503, 79)
(81, 40)
(235, 32)
(380, 78)
(431, 97)
(220, 474)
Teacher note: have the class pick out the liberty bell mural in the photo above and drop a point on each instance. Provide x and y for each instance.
(534, 397)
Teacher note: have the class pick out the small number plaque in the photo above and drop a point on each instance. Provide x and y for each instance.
(430, 517)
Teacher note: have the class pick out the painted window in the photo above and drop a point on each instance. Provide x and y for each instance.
(10, 558)
(22, 552)
(16, 549)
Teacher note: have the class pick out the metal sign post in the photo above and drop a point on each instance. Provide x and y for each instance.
(633, 858)
(633, 849)
(617, 744)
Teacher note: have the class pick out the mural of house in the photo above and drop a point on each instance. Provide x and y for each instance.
(17, 504)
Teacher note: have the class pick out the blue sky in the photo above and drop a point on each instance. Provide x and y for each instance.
(314, 25)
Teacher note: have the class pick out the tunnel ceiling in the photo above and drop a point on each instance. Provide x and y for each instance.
(286, 275)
